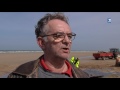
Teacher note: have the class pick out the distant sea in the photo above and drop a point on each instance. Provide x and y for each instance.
(32, 51)
(19, 51)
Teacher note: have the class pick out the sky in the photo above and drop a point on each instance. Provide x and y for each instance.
(17, 30)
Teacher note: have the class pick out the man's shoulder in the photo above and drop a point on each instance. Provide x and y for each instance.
(32, 64)
(24, 69)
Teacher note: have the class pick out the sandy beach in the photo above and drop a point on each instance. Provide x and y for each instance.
(9, 61)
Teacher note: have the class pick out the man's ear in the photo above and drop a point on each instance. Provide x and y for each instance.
(40, 42)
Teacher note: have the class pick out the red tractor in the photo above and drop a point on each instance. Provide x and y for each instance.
(106, 55)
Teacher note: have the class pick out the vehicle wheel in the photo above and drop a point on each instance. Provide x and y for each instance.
(110, 57)
(96, 58)
(103, 58)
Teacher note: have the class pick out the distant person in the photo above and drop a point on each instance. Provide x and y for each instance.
(75, 61)
(114, 55)
(117, 63)
(54, 37)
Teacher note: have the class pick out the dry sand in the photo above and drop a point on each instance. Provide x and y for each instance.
(9, 61)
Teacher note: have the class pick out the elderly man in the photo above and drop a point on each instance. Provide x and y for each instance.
(54, 37)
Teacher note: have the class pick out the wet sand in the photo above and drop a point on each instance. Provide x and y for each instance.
(9, 61)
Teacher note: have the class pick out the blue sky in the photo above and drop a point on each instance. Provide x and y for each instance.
(93, 31)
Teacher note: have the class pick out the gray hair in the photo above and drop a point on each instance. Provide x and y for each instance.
(39, 28)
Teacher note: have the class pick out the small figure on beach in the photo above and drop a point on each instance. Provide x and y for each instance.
(117, 63)
(75, 61)
(54, 36)
(114, 54)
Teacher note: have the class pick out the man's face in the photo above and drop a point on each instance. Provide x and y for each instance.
(54, 47)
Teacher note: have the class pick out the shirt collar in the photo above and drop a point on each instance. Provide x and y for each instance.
(68, 72)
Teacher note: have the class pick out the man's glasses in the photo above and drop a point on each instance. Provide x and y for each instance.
(61, 36)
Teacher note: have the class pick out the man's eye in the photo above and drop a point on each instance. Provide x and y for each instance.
(59, 35)
(70, 36)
